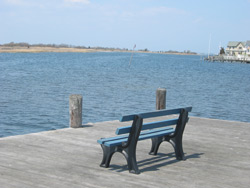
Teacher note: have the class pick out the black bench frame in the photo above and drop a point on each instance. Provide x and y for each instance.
(128, 149)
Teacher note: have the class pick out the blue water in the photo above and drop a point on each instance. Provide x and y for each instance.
(35, 88)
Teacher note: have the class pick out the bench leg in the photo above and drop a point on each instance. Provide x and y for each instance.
(130, 155)
(107, 155)
(177, 144)
(155, 145)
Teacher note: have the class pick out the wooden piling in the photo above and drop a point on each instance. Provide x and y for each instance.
(75, 111)
(161, 98)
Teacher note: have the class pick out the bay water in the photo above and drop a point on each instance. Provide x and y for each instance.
(35, 87)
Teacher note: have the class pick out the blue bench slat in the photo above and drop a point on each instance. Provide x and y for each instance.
(142, 137)
(157, 134)
(103, 140)
(154, 114)
(158, 124)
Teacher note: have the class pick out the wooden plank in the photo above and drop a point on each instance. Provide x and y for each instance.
(70, 158)
(152, 125)
(154, 114)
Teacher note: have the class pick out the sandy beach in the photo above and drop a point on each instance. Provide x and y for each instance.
(36, 49)
(4, 49)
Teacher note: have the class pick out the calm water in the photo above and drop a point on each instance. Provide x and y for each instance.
(35, 88)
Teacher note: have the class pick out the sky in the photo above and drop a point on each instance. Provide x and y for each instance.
(159, 25)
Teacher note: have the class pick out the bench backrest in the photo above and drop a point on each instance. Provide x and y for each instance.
(152, 125)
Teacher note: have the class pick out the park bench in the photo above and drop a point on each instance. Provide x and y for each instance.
(170, 130)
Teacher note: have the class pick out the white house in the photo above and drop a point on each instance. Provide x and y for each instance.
(247, 46)
(235, 48)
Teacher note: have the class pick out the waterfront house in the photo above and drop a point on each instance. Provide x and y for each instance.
(235, 48)
(247, 45)
(236, 51)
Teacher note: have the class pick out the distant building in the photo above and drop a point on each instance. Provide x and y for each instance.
(235, 48)
(247, 45)
(236, 51)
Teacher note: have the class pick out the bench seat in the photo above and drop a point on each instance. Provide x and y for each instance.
(119, 140)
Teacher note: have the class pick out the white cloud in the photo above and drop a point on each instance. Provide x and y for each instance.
(127, 15)
(198, 20)
(77, 1)
(27, 3)
(15, 2)
(47, 3)
(163, 10)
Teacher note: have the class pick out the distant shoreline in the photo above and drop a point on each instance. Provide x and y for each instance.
(32, 49)
(36, 49)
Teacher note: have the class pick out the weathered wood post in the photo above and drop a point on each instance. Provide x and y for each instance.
(75, 111)
(161, 98)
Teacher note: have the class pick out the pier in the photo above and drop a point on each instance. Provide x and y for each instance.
(224, 58)
(217, 155)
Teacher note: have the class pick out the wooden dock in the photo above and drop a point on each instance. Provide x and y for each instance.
(231, 59)
(217, 152)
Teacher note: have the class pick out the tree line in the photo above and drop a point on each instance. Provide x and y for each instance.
(27, 45)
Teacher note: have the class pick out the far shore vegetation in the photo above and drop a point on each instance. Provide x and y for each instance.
(21, 47)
